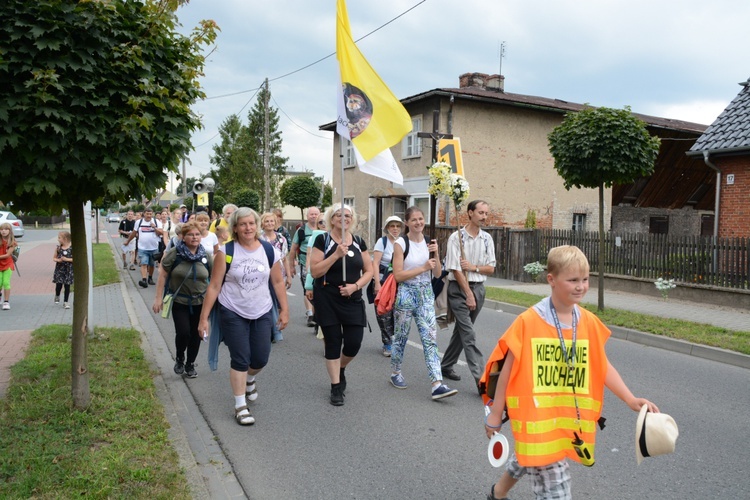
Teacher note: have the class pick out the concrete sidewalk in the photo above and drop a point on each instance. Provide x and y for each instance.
(205, 465)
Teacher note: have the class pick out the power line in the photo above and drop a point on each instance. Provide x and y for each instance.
(238, 113)
(322, 58)
(297, 125)
(257, 89)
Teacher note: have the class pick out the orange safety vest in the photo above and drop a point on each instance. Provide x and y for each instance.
(539, 396)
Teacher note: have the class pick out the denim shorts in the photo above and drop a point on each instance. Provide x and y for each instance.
(147, 257)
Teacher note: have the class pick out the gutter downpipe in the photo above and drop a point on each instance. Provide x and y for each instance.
(706, 160)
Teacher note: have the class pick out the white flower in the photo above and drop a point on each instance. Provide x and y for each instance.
(534, 268)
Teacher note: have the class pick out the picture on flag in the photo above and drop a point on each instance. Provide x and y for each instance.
(369, 114)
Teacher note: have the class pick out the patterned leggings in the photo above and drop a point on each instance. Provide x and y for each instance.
(416, 300)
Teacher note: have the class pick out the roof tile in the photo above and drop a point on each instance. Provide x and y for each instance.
(731, 129)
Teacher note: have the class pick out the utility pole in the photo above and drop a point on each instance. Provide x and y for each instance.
(184, 181)
(266, 152)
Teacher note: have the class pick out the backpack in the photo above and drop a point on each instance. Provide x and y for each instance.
(301, 236)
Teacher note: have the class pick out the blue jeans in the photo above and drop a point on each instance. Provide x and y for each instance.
(248, 340)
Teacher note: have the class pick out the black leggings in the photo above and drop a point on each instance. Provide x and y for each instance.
(348, 335)
(58, 287)
(186, 331)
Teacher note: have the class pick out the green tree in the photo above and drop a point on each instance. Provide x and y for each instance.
(94, 101)
(301, 191)
(232, 158)
(598, 147)
(248, 198)
(277, 163)
(327, 196)
(219, 203)
(239, 156)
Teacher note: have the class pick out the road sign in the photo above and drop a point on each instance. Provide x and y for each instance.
(449, 151)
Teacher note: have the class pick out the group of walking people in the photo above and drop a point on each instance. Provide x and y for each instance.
(341, 269)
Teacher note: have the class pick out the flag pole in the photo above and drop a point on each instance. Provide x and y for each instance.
(343, 219)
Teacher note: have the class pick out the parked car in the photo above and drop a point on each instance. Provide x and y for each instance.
(14, 221)
(113, 218)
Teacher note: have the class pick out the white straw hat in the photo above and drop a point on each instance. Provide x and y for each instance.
(655, 434)
(392, 218)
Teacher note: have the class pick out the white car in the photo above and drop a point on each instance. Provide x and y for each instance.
(113, 218)
(15, 222)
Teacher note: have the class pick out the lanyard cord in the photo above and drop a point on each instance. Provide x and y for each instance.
(569, 359)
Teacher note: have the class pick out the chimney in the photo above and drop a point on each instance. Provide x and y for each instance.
(495, 83)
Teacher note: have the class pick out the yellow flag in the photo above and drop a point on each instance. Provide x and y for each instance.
(368, 112)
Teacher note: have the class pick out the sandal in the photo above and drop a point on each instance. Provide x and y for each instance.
(243, 416)
(492, 496)
(251, 392)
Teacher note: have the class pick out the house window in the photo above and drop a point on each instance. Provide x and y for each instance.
(350, 159)
(423, 203)
(707, 225)
(412, 144)
(658, 224)
(399, 207)
(579, 222)
(349, 201)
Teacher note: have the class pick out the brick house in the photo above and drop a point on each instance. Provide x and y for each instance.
(506, 160)
(725, 148)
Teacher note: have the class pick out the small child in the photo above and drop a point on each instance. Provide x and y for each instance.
(222, 234)
(63, 275)
(7, 247)
(554, 370)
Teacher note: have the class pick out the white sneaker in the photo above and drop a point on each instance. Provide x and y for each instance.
(66, 305)
(6, 306)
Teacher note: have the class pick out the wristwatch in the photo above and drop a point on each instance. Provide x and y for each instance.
(476, 270)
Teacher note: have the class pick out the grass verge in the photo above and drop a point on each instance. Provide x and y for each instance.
(738, 341)
(118, 447)
(105, 269)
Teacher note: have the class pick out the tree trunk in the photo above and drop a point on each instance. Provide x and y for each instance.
(79, 354)
(601, 247)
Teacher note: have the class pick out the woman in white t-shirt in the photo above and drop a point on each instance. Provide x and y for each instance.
(209, 241)
(382, 255)
(415, 299)
(241, 286)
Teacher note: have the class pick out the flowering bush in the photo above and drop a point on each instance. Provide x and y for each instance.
(534, 269)
(664, 286)
(440, 177)
(459, 190)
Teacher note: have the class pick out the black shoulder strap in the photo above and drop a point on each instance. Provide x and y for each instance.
(269, 255)
(406, 246)
(228, 256)
(301, 234)
(385, 242)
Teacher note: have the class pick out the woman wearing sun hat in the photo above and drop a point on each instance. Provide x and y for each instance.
(381, 259)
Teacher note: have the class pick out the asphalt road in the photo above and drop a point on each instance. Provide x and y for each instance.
(386, 443)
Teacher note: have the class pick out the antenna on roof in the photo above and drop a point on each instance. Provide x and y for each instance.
(501, 56)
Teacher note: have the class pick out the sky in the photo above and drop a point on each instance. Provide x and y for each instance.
(679, 59)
